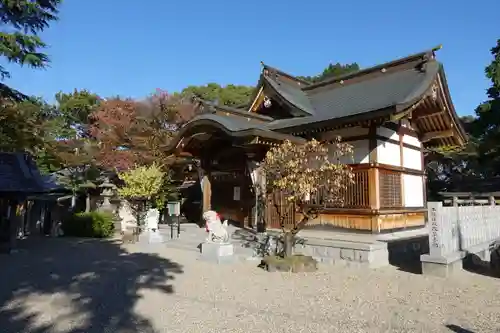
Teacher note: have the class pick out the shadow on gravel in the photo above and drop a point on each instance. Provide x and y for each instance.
(458, 329)
(405, 253)
(248, 238)
(93, 284)
(474, 264)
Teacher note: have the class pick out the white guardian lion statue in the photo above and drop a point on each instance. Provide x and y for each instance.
(217, 230)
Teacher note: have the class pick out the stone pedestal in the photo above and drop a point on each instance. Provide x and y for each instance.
(442, 266)
(217, 252)
(151, 237)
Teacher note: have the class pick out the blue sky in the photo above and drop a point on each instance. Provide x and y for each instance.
(130, 47)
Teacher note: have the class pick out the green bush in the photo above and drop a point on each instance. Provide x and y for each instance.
(93, 224)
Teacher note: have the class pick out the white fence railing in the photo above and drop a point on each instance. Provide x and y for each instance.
(455, 229)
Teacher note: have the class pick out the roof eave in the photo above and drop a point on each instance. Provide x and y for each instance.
(458, 122)
(249, 132)
(375, 115)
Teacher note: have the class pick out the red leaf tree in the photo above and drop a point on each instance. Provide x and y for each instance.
(132, 132)
(113, 127)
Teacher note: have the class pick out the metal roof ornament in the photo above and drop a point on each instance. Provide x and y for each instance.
(267, 102)
(434, 91)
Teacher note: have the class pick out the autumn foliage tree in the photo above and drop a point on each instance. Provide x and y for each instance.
(299, 171)
(133, 133)
(114, 125)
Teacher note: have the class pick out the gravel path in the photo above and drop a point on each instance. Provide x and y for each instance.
(92, 286)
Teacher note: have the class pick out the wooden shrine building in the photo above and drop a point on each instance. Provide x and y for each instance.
(388, 113)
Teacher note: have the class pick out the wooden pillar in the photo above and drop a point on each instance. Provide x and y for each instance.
(374, 197)
(206, 186)
(374, 188)
(206, 189)
(402, 164)
(373, 180)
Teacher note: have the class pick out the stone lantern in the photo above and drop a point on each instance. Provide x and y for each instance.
(107, 192)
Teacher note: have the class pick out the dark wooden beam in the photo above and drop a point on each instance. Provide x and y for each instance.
(437, 135)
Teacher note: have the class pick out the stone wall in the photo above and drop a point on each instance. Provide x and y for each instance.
(371, 254)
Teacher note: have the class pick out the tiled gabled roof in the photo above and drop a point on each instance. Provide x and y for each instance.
(394, 84)
(19, 173)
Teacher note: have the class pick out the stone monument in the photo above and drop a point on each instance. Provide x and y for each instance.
(128, 223)
(127, 218)
(152, 231)
(217, 246)
(152, 218)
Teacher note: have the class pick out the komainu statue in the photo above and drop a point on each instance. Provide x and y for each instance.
(217, 230)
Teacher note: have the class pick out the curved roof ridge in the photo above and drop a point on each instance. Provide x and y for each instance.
(233, 110)
(424, 56)
(280, 72)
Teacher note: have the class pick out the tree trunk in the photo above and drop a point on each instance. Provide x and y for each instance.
(73, 201)
(288, 243)
(87, 203)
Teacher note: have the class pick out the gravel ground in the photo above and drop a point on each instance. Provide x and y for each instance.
(94, 286)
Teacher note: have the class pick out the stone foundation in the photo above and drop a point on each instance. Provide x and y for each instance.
(372, 254)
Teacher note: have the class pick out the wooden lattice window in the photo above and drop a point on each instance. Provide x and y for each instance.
(390, 189)
(354, 196)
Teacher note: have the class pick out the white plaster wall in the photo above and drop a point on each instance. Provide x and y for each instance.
(360, 154)
(388, 133)
(412, 159)
(412, 141)
(388, 153)
(413, 190)
(344, 132)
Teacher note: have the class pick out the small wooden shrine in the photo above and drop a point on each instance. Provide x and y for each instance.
(389, 113)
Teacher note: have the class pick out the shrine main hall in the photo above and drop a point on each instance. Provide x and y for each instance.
(389, 113)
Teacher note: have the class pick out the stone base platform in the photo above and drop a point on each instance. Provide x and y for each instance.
(217, 252)
(373, 254)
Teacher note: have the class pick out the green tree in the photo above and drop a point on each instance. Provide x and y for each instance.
(74, 111)
(230, 95)
(487, 126)
(332, 70)
(27, 126)
(23, 124)
(78, 172)
(449, 168)
(22, 21)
